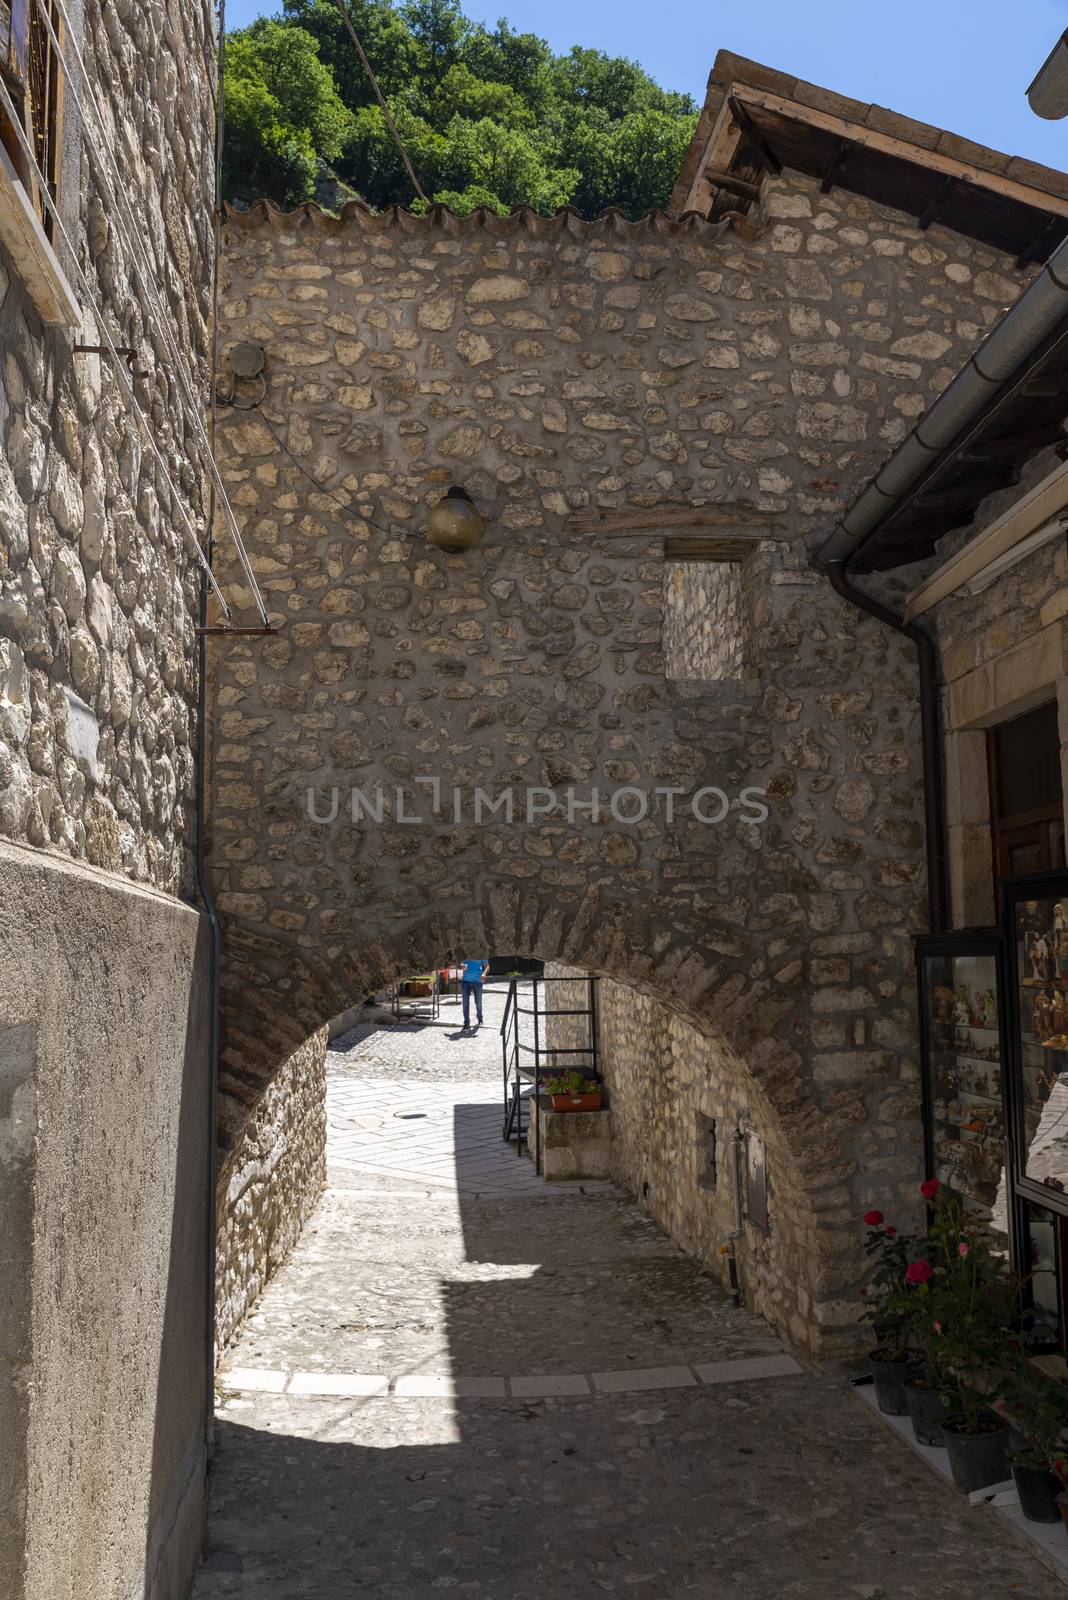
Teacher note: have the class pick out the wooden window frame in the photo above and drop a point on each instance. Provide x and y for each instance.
(33, 77)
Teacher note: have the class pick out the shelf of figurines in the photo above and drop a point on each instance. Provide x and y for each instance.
(965, 1007)
(1044, 989)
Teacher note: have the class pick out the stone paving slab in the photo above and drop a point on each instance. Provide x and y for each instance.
(734, 1485)
(755, 1493)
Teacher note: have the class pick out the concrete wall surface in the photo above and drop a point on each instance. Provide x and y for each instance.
(104, 1182)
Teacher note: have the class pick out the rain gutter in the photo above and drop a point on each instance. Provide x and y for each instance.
(1048, 95)
(1035, 316)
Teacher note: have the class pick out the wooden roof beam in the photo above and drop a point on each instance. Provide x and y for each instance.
(753, 134)
(1011, 444)
(753, 99)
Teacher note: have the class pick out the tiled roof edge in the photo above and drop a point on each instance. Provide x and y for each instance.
(523, 219)
(729, 69)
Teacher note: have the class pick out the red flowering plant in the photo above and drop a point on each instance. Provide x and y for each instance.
(888, 1305)
(963, 1305)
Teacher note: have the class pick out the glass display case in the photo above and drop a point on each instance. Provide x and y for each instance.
(1036, 919)
(962, 1036)
(994, 1039)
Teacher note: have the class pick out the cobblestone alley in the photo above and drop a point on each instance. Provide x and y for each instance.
(465, 1379)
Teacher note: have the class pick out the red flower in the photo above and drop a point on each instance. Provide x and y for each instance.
(873, 1218)
(919, 1272)
(890, 1231)
(930, 1188)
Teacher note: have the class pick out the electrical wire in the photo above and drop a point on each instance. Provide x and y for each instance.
(358, 516)
(390, 124)
(115, 194)
(119, 368)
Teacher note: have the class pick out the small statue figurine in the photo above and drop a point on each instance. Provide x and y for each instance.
(1040, 958)
(1059, 1019)
(962, 1009)
(990, 1009)
(1059, 940)
(1040, 1012)
(943, 1003)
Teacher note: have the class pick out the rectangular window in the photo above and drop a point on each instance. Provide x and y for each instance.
(31, 140)
(706, 1151)
(1027, 804)
(32, 75)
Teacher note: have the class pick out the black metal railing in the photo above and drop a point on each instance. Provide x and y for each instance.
(527, 1061)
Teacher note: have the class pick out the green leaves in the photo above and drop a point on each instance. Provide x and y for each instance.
(490, 117)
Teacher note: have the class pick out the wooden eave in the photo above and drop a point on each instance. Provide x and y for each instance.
(1029, 415)
(757, 129)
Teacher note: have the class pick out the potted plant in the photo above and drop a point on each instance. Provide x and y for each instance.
(890, 1309)
(1037, 1409)
(965, 1309)
(572, 1092)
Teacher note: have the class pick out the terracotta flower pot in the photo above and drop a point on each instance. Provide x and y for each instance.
(891, 1370)
(977, 1460)
(576, 1102)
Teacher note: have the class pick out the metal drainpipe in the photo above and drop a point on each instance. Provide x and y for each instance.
(208, 903)
(934, 805)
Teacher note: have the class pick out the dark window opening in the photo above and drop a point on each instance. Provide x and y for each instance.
(32, 76)
(706, 1151)
(1026, 801)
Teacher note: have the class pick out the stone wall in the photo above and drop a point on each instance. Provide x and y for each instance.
(105, 1356)
(269, 1185)
(676, 1095)
(1003, 651)
(559, 370)
(98, 582)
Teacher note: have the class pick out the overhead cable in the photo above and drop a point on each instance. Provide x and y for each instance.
(119, 368)
(380, 97)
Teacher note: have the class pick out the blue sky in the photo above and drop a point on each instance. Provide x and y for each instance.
(961, 64)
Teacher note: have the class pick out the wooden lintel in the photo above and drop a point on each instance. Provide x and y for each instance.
(886, 144)
(683, 548)
(646, 524)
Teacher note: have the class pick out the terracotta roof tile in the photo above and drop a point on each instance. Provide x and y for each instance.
(523, 219)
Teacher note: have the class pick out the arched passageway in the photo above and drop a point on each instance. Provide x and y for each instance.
(466, 1379)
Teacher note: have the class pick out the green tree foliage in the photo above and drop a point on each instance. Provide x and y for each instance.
(283, 111)
(490, 117)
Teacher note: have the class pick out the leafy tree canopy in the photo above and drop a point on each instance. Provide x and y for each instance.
(490, 117)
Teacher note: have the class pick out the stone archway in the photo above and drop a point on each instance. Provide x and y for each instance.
(560, 368)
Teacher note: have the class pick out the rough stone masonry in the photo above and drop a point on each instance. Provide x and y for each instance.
(556, 368)
(104, 1101)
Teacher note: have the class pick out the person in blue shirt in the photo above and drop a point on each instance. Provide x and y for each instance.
(471, 985)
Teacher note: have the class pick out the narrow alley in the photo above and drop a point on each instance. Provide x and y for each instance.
(467, 1379)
